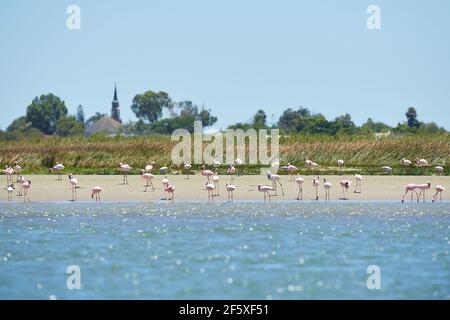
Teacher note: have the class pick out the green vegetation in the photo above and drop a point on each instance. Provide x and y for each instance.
(48, 134)
(101, 155)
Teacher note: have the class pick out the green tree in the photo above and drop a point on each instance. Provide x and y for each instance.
(260, 120)
(80, 114)
(69, 126)
(45, 111)
(411, 117)
(149, 105)
(19, 125)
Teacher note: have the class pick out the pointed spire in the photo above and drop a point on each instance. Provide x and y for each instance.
(115, 92)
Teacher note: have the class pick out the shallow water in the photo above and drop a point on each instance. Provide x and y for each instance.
(225, 251)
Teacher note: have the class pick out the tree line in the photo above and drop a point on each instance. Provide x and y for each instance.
(158, 113)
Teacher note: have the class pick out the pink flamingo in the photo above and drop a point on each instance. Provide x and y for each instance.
(9, 172)
(439, 170)
(299, 181)
(210, 188)
(345, 184)
(423, 187)
(421, 162)
(387, 169)
(406, 162)
(265, 189)
(150, 166)
(73, 185)
(358, 178)
(231, 170)
(215, 180)
(170, 189)
(165, 183)
(316, 184)
(439, 190)
(124, 168)
(148, 177)
(18, 170)
(22, 179)
(327, 186)
(291, 170)
(412, 189)
(275, 178)
(96, 192)
(206, 173)
(10, 190)
(230, 189)
(26, 187)
(340, 163)
(58, 168)
(311, 165)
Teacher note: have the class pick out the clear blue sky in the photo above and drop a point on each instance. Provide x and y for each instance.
(233, 56)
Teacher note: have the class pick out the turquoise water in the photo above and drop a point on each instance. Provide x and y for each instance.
(244, 250)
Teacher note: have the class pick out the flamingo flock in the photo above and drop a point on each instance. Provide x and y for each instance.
(272, 188)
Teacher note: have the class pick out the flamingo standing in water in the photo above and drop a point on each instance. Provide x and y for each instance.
(10, 190)
(9, 172)
(26, 187)
(411, 188)
(423, 187)
(265, 189)
(124, 168)
(73, 185)
(230, 189)
(316, 184)
(187, 168)
(291, 170)
(299, 181)
(275, 178)
(358, 178)
(206, 173)
(58, 168)
(96, 192)
(439, 190)
(18, 170)
(165, 183)
(345, 184)
(215, 180)
(327, 186)
(210, 188)
(22, 179)
(439, 170)
(148, 177)
(340, 163)
(170, 189)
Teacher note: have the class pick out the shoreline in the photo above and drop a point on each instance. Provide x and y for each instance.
(45, 188)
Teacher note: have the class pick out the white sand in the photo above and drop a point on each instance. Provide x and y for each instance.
(47, 188)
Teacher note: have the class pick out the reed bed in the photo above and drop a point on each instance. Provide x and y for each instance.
(101, 155)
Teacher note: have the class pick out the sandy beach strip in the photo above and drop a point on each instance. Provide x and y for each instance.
(47, 188)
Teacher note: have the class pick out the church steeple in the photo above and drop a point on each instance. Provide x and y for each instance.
(115, 110)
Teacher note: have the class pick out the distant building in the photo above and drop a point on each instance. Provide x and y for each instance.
(115, 110)
(108, 124)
